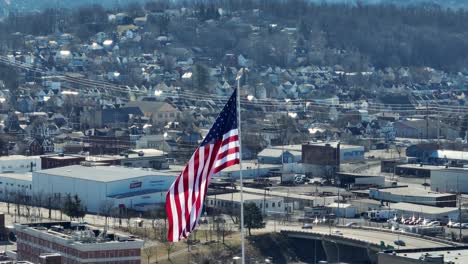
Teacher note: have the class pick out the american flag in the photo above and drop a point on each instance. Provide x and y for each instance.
(219, 150)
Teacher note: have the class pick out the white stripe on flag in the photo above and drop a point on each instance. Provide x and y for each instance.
(232, 132)
(229, 157)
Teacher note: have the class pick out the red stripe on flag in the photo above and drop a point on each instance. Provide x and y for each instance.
(225, 165)
(230, 139)
(228, 152)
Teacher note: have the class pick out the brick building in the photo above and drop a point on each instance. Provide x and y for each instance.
(56, 161)
(75, 243)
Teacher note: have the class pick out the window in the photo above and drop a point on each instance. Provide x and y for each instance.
(273, 204)
(266, 205)
(261, 205)
(279, 204)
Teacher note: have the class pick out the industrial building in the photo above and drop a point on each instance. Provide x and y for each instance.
(133, 188)
(19, 164)
(13, 184)
(451, 180)
(138, 158)
(438, 255)
(343, 210)
(250, 170)
(281, 154)
(230, 203)
(323, 159)
(413, 195)
(442, 214)
(357, 181)
(60, 160)
(76, 243)
(415, 170)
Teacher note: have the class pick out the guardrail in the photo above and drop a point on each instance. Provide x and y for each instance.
(331, 236)
(435, 239)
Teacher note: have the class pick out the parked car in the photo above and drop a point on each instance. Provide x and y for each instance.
(307, 226)
(399, 243)
(464, 225)
(434, 223)
(338, 233)
(351, 224)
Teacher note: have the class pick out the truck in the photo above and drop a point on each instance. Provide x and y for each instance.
(381, 215)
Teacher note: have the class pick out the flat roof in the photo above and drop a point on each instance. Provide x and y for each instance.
(64, 157)
(451, 255)
(103, 173)
(450, 154)
(411, 191)
(333, 144)
(18, 157)
(236, 197)
(431, 167)
(418, 166)
(427, 209)
(17, 176)
(356, 175)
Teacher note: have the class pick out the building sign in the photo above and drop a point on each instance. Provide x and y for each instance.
(134, 185)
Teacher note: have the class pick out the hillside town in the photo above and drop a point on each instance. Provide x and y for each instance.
(343, 161)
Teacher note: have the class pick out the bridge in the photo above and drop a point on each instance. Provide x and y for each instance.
(358, 245)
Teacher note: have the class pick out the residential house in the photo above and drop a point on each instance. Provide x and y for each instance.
(156, 110)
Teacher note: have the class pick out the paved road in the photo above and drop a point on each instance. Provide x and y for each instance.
(375, 237)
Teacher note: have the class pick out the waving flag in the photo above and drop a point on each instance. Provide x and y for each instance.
(219, 150)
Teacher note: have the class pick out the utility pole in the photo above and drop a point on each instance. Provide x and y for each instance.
(459, 216)
(459, 211)
(427, 121)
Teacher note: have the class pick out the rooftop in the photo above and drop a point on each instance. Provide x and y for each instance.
(18, 157)
(356, 175)
(411, 191)
(423, 208)
(333, 144)
(64, 157)
(455, 255)
(77, 233)
(103, 173)
(450, 154)
(431, 167)
(17, 176)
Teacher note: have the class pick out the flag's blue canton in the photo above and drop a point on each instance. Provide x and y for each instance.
(226, 121)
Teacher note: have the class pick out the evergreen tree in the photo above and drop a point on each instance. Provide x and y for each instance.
(73, 207)
(253, 217)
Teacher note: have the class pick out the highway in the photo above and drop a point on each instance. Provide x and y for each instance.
(373, 236)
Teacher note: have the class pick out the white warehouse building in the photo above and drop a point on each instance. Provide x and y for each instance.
(451, 180)
(13, 184)
(138, 189)
(19, 164)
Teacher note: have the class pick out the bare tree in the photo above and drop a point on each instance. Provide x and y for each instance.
(105, 209)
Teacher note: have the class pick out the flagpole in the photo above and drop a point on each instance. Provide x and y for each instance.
(239, 77)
